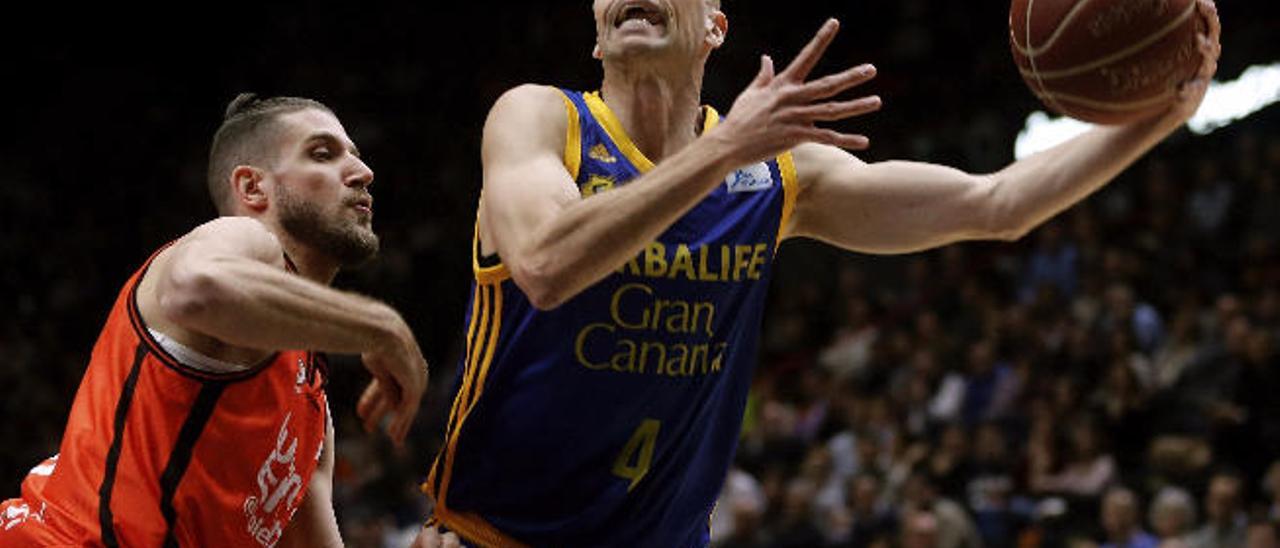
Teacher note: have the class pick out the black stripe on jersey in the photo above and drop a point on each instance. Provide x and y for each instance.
(201, 410)
(105, 519)
(194, 373)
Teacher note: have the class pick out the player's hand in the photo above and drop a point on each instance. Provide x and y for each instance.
(778, 111)
(1192, 92)
(430, 537)
(399, 380)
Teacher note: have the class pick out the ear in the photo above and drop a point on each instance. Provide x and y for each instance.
(247, 188)
(717, 28)
(596, 53)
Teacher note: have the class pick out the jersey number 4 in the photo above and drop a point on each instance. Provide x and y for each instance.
(634, 460)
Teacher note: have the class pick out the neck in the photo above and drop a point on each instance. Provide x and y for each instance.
(659, 112)
(311, 264)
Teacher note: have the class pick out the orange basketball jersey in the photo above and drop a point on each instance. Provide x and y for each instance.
(159, 453)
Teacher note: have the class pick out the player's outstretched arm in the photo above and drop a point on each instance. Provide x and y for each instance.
(227, 280)
(315, 525)
(557, 244)
(900, 207)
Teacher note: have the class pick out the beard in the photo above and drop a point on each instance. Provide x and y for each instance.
(350, 244)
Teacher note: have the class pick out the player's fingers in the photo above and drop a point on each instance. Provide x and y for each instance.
(803, 64)
(766, 72)
(377, 410)
(428, 538)
(450, 540)
(835, 138)
(366, 399)
(838, 110)
(833, 84)
(406, 412)
(1210, 64)
(1209, 11)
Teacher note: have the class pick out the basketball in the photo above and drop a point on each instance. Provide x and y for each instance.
(1106, 61)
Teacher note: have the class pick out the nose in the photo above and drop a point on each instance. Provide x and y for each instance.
(361, 174)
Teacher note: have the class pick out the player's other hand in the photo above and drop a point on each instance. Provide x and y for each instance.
(399, 380)
(1192, 92)
(430, 537)
(779, 111)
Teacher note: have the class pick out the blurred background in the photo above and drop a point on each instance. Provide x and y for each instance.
(1115, 370)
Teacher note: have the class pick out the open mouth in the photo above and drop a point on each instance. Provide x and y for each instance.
(643, 13)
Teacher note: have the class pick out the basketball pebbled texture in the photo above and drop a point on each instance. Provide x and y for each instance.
(1106, 61)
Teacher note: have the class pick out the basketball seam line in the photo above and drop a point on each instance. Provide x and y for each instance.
(1150, 39)
(1054, 104)
(1108, 106)
(1031, 50)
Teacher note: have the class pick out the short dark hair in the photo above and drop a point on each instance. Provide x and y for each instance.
(247, 125)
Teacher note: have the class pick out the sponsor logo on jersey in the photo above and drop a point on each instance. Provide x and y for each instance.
(278, 482)
(601, 154)
(753, 178)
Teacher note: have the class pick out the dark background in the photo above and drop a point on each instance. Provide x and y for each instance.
(110, 111)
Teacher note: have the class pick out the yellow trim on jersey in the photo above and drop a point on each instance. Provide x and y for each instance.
(468, 368)
(613, 127)
(488, 274)
(618, 135)
(572, 139)
(475, 529)
(790, 188)
(473, 387)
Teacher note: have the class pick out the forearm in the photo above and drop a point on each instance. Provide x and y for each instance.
(1034, 189)
(247, 303)
(589, 238)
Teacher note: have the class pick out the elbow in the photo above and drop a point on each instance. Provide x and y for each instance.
(542, 283)
(1003, 220)
(188, 295)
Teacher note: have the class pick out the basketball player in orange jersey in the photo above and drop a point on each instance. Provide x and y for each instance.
(202, 418)
(624, 244)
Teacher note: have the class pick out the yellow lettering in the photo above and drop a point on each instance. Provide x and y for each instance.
(741, 258)
(678, 322)
(655, 260)
(624, 361)
(757, 260)
(724, 263)
(579, 345)
(644, 354)
(680, 354)
(632, 266)
(683, 262)
(615, 307)
(698, 309)
(718, 361)
(704, 274)
(699, 357)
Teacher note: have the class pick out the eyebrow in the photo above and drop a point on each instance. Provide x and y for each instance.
(327, 136)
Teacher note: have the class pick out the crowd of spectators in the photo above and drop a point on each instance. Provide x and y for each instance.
(1107, 380)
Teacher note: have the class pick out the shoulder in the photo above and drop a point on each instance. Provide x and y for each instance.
(530, 101)
(244, 234)
(815, 161)
(531, 114)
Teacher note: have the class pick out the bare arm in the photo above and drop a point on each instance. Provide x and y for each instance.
(315, 524)
(900, 207)
(557, 244)
(225, 281)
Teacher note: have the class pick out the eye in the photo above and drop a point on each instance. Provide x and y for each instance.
(321, 154)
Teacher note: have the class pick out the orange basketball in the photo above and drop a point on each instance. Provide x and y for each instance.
(1106, 61)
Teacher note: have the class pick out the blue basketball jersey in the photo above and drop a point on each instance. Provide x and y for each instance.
(612, 419)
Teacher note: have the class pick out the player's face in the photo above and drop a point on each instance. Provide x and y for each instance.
(627, 28)
(322, 188)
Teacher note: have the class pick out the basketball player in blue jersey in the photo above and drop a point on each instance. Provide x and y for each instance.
(625, 240)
